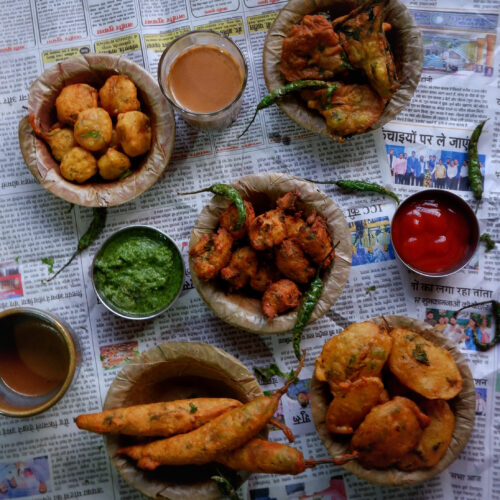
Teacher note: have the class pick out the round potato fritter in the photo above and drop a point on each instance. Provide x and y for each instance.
(73, 99)
(78, 165)
(280, 297)
(119, 95)
(93, 129)
(134, 133)
(229, 219)
(60, 140)
(112, 164)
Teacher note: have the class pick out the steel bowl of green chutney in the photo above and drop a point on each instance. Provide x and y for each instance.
(138, 272)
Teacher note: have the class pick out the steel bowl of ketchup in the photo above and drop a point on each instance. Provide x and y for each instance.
(434, 233)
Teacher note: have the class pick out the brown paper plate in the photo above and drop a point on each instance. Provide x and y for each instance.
(94, 69)
(404, 38)
(263, 190)
(170, 371)
(464, 406)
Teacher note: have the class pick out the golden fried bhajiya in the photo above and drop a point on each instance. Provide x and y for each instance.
(280, 297)
(287, 201)
(265, 275)
(362, 37)
(424, 367)
(93, 129)
(435, 439)
(60, 140)
(211, 253)
(78, 165)
(351, 109)
(241, 268)
(112, 164)
(119, 95)
(73, 99)
(351, 404)
(312, 51)
(292, 262)
(267, 230)
(361, 350)
(229, 218)
(314, 239)
(294, 224)
(134, 133)
(388, 433)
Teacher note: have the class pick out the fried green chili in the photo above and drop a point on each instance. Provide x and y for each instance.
(362, 186)
(484, 346)
(277, 94)
(475, 175)
(92, 233)
(486, 239)
(228, 192)
(225, 487)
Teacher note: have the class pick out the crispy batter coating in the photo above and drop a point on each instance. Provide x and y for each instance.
(242, 268)
(314, 239)
(312, 51)
(292, 262)
(211, 253)
(265, 275)
(388, 433)
(363, 39)
(134, 133)
(112, 164)
(280, 297)
(435, 439)
(93, 129)
(361, 350)
(119, 95)
(267, 230)
(78, 165)
(60, 140)
(229, 218)
(351, 404)
(288, 200)
(294, 224)
(352, 108)
(424, 367)
(73, 99)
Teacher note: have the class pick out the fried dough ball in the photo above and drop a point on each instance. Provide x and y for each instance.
(93, 129)
(78, 165)
(265, 275)
(389, 432)
(119, 95)
(73, 99)
(60, 140)
(134, 133)
(351, 404)
(267, 230)
(435, 439)
(280, 297)
(314, 239)
(229, 218)
(211, 253)
(361, 350)
(112, 164)
(293, 224)
(292, 262)
(424, 367)
(242, 267)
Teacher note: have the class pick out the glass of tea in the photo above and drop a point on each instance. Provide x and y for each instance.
(203, 74)
(38, 358)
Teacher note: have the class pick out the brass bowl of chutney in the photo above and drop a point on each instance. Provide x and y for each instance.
(38, 359)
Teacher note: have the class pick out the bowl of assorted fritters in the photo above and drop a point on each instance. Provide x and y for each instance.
(396, 396)
(98, 132)
(255, 278)
(369, 53)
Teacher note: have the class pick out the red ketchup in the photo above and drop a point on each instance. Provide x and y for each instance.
(432, 235)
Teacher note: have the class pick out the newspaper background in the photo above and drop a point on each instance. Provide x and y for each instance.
(459, 87)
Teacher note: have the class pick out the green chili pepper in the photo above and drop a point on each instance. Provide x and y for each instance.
(486, 239)
(360, 186)
(229, 192)
(225, 487)
(328, 96)
(92, 233)
(277, 94)
(475, 175)
(484, 346)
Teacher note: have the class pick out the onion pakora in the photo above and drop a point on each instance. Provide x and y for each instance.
(113, 164)
(422, 366)
(267, 230)
(280, 297)
(315, 240)
(229, 219)
(93, 129)
(265, 275)
(292, 262)
(241, 268)
(119, 95)
(73, 99)
(78, 165)
(134, 133)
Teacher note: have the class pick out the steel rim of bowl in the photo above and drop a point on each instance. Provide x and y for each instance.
(454, 197)
(101, 297)
(65, 332)
(194, 113)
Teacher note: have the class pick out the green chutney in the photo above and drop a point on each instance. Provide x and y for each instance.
(139, 272)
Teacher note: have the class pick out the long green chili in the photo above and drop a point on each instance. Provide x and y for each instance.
(225, 487)
(92, 233)
(361, 186)
(475, 175)
(277, 94)
(228, 192)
